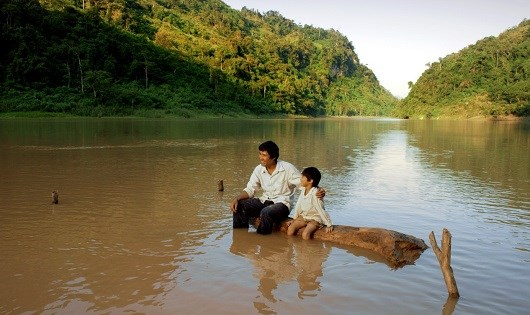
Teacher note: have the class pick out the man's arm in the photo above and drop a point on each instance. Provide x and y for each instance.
(243, 195)
(321, 192)
(254, 183)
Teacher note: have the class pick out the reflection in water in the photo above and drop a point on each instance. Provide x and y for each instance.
(140, 226)
(450, 305)
(492, 152)
(488, 164)
(310, 257)
(281, 261)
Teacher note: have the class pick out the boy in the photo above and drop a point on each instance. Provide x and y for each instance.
(309, 210)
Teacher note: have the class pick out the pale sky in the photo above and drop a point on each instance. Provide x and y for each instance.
(397, 38)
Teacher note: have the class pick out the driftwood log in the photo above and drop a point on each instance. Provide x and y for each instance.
(397, 249)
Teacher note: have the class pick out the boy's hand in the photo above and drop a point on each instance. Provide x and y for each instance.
(289, 223)
(329, 229)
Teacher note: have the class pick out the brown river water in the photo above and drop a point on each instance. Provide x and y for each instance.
(141, 227)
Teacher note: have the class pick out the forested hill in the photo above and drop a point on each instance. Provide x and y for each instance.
(182, 58)
(489, 78)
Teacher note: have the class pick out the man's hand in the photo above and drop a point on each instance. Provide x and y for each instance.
(321, 192)
(329, 229)
(241, 196)
(233, 205)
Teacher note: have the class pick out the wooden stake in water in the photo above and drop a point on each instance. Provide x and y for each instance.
(444, 258)
(55, 197)
(220, 185)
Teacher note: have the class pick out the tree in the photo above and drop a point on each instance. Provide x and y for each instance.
(98, 80)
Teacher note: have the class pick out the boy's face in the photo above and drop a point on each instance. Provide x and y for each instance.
(304, 182)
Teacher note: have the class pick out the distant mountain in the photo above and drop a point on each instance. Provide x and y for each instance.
(489, 78)
(173, 57)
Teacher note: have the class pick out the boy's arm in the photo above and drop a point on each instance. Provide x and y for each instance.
(319, 206)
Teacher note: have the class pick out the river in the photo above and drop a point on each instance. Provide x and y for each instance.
(141, 227)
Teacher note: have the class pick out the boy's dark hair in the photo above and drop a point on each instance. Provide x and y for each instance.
(271, 148)
(312, 173)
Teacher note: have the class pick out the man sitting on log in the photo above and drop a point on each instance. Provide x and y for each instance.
(276, 180)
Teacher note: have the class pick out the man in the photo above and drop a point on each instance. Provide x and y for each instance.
(277, 180)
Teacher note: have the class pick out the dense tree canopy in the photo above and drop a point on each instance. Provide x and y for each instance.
(196, 57)
(122, 57)
(489, 78)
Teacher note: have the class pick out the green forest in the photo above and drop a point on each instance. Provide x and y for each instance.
(176, 58)
(201, 58)
(488, 79)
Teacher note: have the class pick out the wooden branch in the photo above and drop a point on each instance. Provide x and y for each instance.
(444, 259)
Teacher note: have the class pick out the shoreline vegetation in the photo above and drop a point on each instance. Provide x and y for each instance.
(156, 114)
(203, 59)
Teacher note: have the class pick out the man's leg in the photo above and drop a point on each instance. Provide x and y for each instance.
(272, 214)
(245, 209)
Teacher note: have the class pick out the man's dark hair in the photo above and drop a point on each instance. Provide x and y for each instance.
(271, 148)
(312, 173)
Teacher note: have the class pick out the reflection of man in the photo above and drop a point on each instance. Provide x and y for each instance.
(277, 261)
(309, 260)
(272, 260)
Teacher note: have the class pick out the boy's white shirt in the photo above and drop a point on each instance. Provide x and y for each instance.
(310, 207)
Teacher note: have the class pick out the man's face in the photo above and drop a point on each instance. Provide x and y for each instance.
(265, 158)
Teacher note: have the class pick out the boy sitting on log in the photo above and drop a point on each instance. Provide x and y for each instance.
(309, 209)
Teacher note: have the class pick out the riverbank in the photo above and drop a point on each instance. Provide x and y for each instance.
(159, 114)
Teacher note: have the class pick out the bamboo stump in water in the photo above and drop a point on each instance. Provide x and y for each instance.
(397, 249)
(444, 258)
(55, 197)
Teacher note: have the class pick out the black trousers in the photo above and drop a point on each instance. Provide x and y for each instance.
(269, 213)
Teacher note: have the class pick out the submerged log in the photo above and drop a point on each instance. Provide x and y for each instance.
(396, 248)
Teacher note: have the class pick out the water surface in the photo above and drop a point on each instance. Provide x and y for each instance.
(140, 226)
